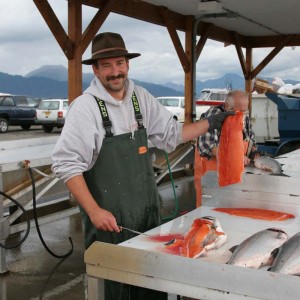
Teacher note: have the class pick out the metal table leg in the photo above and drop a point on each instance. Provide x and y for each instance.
(2, 250)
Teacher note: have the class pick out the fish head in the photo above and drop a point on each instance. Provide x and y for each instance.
(281, 234)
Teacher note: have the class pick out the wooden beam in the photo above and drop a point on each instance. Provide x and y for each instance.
(74, 64)
(271, 55)
(148, 12)
(240, 55)
(140, 10)
(188, 76)
(95, 24)
(175, 39)
(248, 81)
(272, 41)
(55, 26)
(202, 41)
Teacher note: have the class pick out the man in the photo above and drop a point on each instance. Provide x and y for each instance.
(207, 144)
(102, 153)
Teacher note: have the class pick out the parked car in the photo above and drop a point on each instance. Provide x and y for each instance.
(176, 106)
(51, 113)
(17, 110)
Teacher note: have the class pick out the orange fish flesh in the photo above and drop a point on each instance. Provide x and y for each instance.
(256, 213)
(205, 234)
(230, 156)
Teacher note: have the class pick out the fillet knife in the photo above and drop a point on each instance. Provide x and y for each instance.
(133, 231)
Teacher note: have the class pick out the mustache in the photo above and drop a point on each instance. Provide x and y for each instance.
(115, 77)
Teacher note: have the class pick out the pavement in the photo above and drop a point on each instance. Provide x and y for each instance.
(35, 131)
(34, 274)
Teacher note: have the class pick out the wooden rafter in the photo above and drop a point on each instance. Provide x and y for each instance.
(148, 12)
(202, 41)
(240, 55)
(95, 24)
(175, 39)
(284, 42)
(55, 27)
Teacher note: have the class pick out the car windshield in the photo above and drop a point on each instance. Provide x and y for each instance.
(169, 102)
(49, 105)
(204, 95)
(65, 105)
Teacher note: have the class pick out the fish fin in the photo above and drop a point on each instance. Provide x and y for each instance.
(274, 253)
(271, 259)
(233, 248)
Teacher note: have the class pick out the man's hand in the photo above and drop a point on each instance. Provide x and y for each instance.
(104, 220)
(216, 121)
(246, 161)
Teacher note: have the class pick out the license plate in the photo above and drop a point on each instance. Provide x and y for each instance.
(47, 113)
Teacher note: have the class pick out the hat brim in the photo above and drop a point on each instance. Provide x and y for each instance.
(109, 55)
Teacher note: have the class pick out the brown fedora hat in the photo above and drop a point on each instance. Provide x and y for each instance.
(107, 45)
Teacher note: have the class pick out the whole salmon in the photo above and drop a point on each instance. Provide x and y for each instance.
(287, 257)
(256, 250)
(268, 164)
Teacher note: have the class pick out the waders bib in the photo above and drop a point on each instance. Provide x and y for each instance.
(122, 181)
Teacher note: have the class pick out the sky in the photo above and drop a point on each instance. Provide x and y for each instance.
(26, 44)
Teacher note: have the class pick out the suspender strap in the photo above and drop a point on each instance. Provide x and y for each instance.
(105, 118)
(137, 111)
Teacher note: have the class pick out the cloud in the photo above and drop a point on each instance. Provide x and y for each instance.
(27, 44)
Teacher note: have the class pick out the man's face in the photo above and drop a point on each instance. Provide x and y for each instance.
(241, 103)
(112, 72)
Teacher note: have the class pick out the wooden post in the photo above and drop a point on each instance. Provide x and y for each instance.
(188, 78)
(248, 79)
(74, 64)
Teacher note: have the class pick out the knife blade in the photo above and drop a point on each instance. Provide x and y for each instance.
(133, 231)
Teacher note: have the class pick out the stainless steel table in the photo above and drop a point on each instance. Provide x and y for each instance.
(143, 262)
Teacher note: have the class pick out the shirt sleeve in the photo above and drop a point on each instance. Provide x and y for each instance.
(249, 133)
(77, 148)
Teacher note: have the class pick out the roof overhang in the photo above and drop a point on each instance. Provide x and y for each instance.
(253, 24)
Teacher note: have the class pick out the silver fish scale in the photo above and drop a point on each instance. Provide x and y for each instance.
(287, 260)
(255, 251)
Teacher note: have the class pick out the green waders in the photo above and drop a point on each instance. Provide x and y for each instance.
(122, 181)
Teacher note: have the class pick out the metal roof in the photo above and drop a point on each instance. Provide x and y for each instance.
(253, 17)
(248, 23)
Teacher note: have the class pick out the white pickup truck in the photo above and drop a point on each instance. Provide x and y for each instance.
(176, 106)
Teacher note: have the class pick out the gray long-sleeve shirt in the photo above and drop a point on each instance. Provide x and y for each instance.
(81, 139)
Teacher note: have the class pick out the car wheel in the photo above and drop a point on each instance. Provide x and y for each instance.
(47, 128)
(25, 127)
(3, 125)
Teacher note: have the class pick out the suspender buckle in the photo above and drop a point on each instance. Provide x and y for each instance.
(107, 126)
(139, 119)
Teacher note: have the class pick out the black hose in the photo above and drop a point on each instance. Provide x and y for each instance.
(37, 224)
(27, 221)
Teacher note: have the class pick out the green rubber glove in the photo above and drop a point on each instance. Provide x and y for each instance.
(216, 121)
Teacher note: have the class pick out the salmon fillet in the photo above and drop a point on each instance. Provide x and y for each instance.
(230, 156)
(256, 213)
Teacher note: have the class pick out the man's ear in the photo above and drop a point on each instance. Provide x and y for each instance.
(95, 69)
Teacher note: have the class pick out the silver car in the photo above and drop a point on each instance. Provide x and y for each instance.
(51, 113)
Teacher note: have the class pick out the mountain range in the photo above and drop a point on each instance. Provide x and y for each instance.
(51, 81)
